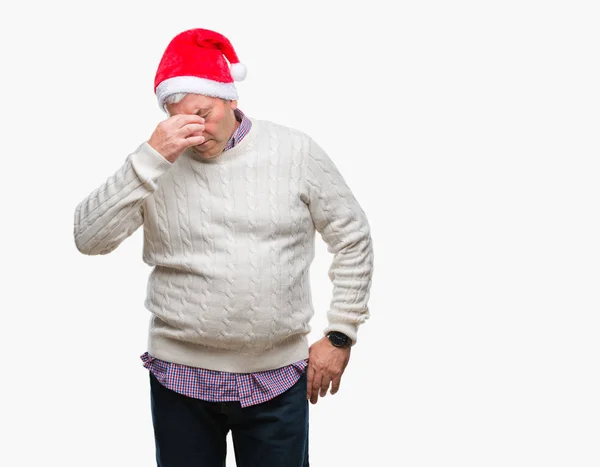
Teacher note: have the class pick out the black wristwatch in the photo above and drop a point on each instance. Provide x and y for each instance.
(338, 339)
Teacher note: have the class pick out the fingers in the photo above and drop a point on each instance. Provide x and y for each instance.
(324, 386)
(184, 119)
(314, 393)
(191, 128)
(313, 384)
(194, 141)
(310, 375)
(172, 136)
(335, 385)
(318, 384)
(192, 134)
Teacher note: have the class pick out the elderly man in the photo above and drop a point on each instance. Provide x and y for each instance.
(229, 206)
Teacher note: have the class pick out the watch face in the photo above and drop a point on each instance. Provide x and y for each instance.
(338, 339)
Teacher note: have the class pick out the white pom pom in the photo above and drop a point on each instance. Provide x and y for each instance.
(238, 71)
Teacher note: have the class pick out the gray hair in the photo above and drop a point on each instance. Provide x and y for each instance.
(173, 99)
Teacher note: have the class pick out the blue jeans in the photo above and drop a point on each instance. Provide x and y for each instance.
(191, 432)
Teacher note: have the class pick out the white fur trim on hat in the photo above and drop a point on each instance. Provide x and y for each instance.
(195, 85)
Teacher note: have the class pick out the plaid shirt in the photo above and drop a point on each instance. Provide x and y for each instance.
(219, 386)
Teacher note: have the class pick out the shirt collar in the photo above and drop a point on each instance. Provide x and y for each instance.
(241, 131)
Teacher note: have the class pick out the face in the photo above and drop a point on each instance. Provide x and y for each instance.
(219, 121)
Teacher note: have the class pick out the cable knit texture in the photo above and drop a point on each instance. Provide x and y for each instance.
(231, 241)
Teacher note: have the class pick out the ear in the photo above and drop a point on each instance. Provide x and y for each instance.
(233, 104)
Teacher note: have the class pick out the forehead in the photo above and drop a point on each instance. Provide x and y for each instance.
(191, 103)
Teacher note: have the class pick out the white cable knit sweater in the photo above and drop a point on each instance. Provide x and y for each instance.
(231, 241)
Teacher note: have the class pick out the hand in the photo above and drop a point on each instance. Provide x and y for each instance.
(326, 363)
(172, 136)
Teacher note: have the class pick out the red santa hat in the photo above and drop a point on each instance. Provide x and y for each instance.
(194, 62)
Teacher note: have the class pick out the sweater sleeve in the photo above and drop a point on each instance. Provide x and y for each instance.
(343, 225)
(113, 211)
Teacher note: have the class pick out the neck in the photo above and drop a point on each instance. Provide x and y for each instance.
(236, 124)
